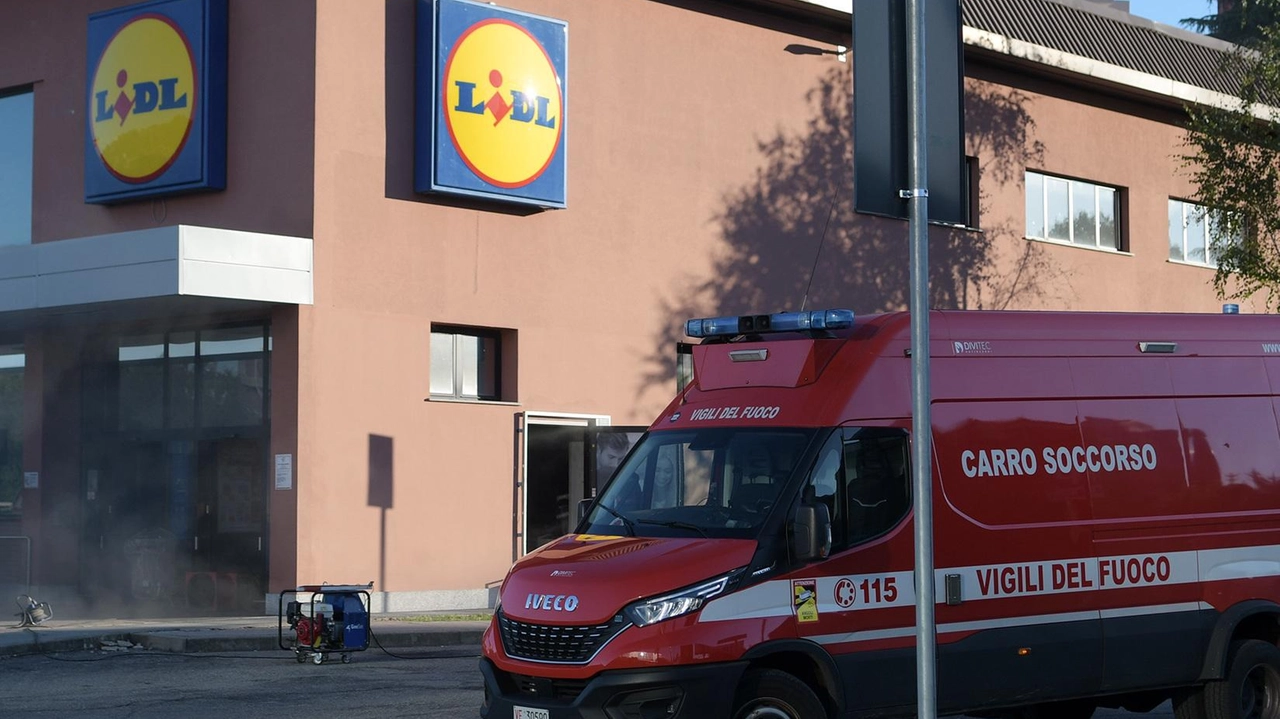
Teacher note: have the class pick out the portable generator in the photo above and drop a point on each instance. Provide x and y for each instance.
(333, 620)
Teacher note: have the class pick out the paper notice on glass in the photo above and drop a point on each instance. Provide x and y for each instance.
(30, 480)
(284, 471)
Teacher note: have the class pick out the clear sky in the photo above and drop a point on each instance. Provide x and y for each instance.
(1170, 12)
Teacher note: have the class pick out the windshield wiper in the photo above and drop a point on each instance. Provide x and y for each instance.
(630, 525)
(676, 524)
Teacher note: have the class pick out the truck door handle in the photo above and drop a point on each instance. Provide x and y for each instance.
(953, 590)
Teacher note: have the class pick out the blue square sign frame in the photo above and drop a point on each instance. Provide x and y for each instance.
(199, 161)
(454, 56)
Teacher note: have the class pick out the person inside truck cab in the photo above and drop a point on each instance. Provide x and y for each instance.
(755, 487)
(664, 484)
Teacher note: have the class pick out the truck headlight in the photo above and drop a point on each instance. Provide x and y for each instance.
(650, 611)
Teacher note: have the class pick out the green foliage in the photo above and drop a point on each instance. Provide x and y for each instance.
(1234, 160)
(1242, 22)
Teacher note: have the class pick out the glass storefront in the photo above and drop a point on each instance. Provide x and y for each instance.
(12, 367)
(175, 461)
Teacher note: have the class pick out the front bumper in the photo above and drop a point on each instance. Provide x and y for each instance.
(683, 692)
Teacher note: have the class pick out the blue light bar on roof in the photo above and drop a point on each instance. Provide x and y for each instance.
(776, 322)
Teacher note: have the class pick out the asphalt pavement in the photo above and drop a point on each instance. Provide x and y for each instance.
(226, 634)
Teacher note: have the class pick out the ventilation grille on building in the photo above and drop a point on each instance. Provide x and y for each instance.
(1191, 60)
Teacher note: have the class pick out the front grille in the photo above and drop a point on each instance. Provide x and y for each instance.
(562, 689)
(556, 644)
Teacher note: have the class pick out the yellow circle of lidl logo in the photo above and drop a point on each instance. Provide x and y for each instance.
(142, 99)
(502, 103)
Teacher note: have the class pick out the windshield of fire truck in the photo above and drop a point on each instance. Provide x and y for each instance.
(707, 482)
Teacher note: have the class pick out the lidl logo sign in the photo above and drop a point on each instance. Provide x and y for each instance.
(494, 97)
(505, 126)
(156, 110)
(140, 124)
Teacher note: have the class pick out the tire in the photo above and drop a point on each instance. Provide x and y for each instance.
(773, 694)
(1189, 704)
(1251, 689)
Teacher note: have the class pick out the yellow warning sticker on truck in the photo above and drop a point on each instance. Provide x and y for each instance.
(805, 594)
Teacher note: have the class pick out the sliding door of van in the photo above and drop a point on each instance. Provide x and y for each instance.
(1018, 615)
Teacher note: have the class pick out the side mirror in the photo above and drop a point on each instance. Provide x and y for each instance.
(583, 506)
(811, 532)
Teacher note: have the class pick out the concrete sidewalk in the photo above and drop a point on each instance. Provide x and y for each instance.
(226, 634)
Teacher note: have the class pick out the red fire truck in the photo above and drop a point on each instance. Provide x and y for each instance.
(1106, 528)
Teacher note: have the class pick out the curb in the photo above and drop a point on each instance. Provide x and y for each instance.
(179, 642)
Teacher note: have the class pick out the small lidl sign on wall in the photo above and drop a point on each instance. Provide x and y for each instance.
(156, 115)
(492, 100)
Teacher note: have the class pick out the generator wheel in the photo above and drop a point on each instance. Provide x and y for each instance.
(297, 654)
(346, 658)
(1251, 689)
(317, 659)
(773, 694)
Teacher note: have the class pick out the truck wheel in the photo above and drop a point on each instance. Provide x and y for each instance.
(773, 694)
(1251, 689)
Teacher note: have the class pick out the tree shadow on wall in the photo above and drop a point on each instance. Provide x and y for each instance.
(791, 240)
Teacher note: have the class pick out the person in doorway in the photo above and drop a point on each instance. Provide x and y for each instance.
(613, 446)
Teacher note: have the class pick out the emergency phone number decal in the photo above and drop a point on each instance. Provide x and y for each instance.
(870, 591)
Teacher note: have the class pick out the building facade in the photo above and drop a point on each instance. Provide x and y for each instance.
(339, 345)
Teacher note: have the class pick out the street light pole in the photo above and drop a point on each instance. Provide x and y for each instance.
(917, 197)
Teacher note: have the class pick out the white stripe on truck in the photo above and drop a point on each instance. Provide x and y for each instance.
(860, 592)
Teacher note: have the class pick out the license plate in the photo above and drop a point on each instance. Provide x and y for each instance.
(527, 713)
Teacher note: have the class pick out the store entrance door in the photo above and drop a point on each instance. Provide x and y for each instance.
(176, 526)
(227, 561)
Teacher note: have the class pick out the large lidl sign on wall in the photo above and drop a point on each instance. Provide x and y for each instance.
(156, 114)
(492, 99)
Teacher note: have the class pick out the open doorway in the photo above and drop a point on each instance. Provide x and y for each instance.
(565, 459)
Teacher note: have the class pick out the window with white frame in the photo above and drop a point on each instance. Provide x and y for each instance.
(1191, 231)
(466, 363)
(17, 131)
(1073, 211)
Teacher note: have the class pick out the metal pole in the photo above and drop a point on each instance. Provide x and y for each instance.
(921, 450)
